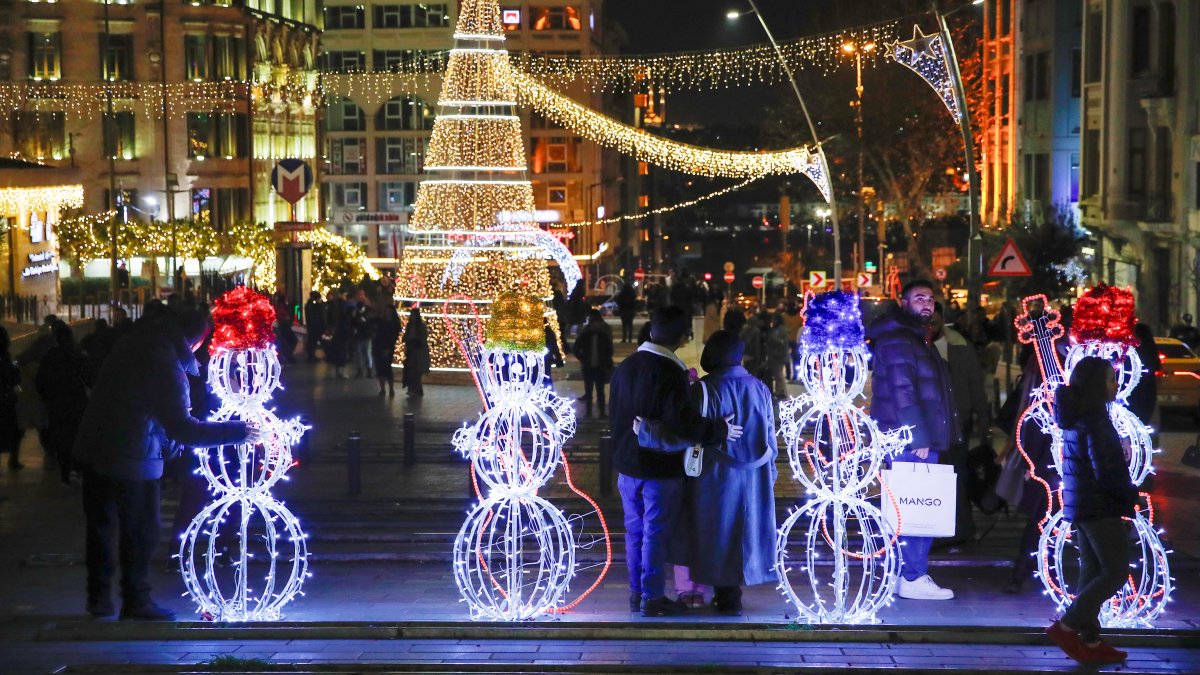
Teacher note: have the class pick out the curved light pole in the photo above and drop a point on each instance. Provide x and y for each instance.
(733, 15)
(857, 50)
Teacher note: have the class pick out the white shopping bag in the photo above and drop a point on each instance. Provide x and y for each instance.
(925, 495)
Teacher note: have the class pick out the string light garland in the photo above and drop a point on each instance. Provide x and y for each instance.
(926, 56)
(837, 463)
(659, 151)
(522, 243)
(15, 201)
(1103, 327)
(663, 209)
(221, 542)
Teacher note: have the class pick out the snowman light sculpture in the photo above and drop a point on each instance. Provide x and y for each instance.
(234, 564)
(515, 555)
(836, 451)
(1103, 326)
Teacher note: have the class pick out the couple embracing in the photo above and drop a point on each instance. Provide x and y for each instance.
(720, 524)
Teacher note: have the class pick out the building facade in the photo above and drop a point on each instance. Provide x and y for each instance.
(382, 62)
(165, 110)
(1140, 155)
(999, 133)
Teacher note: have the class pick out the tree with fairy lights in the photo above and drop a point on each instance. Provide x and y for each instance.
(244, 556)
(836, 451)
(1103, 326)
(476, 195)
(515, 555)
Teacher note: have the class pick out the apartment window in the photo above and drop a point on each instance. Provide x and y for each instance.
(1076, 72)
(1005, 16)
(229, 57)
(346, 116)
(554, 18)
(217, 135)
(1004, 95)
(1037, 177)
(412, 16)
(556, 194)
(398, 60)
(349, 195)
(556, 156)
(400, 155)
(644, 201)
(202, 206)
(343, 62)
(345, 18)
(117, 65)
(1093, 48)
(119, 135)
(397, 195)
(233, 206)
(40, 135)
(195, 57)
(45, 56)
(643, 169)
(1162, 164)
(347, 156)
(1139, 38)
(404, 114)
(1135, 168)
(1037, 76)
(1091, 162)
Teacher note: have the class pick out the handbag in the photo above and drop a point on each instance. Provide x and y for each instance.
(925, 497)
(693, 457)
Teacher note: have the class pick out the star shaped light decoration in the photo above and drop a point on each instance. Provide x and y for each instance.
(926, 56)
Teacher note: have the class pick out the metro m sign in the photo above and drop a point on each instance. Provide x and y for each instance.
(291, 179)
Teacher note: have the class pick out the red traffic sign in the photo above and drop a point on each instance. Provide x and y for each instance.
(639, 274)
(729, 277)
(940, 274)
(1010, 262)
(865, 279)
(757, 282)
(708, 276)
(291, 179)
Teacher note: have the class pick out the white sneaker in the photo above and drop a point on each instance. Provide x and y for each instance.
(923, 588)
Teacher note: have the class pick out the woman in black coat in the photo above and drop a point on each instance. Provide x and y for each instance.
(1098, 496)
(383, 346)
(416, 353)
(62, 381)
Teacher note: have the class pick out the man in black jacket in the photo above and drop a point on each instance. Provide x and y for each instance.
(652, 383)
(139, 410)
(911, 387)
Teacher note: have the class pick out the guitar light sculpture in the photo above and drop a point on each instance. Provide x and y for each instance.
(1102, 326)
(245, 530)
(837, 465)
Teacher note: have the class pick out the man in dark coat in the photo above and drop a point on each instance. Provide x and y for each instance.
(652, 384)
(314, 325)
(911, 387)
(139, 410)
(594, 349)
(627, 309)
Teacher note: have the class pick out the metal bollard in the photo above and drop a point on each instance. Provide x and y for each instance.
(354, 463)
(410, 440)
(606, 465)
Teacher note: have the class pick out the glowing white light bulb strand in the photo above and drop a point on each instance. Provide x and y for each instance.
(223, 535)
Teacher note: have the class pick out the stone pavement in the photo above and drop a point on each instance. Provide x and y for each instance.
(400, 509)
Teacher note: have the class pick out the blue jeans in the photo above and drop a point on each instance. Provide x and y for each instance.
(651, 511)
(915, 550)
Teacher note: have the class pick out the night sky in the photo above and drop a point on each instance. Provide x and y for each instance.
(686, 25)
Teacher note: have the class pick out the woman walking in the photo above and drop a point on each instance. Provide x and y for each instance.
(416, 353)
(383, 346)
(1098, 496)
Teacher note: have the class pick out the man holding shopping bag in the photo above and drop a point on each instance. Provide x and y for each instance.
(911, 387)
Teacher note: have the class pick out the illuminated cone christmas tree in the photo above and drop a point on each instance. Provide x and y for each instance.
(476, 197)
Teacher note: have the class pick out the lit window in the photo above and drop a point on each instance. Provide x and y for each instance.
(412, 16)
(119, 135)
(346, 116)
(347, 156)
(195, 57)
(644, 201)
(45, 56)
(118, 66)
(643, 169)
(556, 157)
(555, 18)
(229, 58)
(40, 135)
(343, 62)
(345, 17)
(556, 194)
(510, 18)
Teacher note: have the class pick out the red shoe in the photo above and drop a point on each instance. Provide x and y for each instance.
(1068, 641)
(1103, 654)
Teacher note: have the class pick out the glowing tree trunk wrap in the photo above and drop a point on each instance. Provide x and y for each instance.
(476, 185)
(514, 557)
(837, 463)
(1102, 326)
(245, 529)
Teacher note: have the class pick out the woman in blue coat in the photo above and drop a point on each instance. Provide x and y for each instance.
(726, 534)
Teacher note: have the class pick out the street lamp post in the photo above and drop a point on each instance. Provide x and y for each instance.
(853, 48)
(832, 200)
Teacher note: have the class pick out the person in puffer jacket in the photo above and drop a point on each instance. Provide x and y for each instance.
(1097, 496)
(911, 387)
(139, 413)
